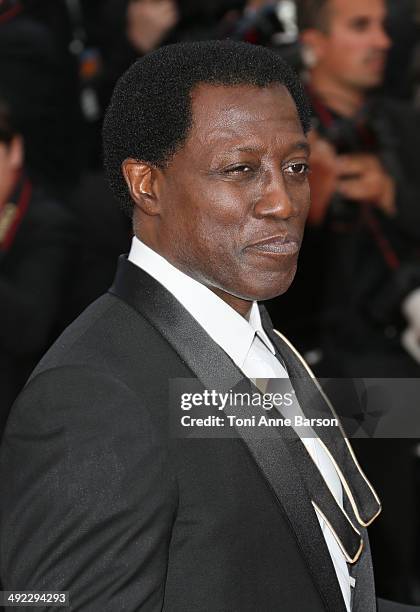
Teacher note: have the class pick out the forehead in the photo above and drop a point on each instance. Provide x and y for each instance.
(344, 10)
(230, 113)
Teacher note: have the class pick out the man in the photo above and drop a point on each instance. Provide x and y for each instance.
(205, 146)
(37, 238)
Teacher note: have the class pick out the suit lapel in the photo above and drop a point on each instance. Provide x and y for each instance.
(365, 503)
(215, 370)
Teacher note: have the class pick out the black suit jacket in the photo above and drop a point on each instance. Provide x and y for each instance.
(99, 499)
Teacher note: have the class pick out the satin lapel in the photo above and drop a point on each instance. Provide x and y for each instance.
(364, 500)
(213, 367)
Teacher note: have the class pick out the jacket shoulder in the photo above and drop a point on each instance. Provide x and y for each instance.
(108, 336)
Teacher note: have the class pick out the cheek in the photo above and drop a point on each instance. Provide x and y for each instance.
(300, 194)
(345, 51)
(205, 230)
(214, 216)
(217, 229)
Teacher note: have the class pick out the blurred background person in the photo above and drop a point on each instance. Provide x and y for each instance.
(41, 114)
(37, 65)
(131, 28)
(269, 23)
(149, 21)
(37, 239)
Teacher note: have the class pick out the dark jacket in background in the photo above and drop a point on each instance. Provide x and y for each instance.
(105, 232)
(35, 261)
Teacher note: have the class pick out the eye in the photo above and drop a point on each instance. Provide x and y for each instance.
(298, 169)
(360, 24)
(239, 169)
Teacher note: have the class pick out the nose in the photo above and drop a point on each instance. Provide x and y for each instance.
(275, 200)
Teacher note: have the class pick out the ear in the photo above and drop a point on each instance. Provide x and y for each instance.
(141, 179)
(313, 42)
(16, 153)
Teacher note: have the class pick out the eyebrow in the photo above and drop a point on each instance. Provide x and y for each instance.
(302, 145)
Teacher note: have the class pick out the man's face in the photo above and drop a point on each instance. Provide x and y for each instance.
(354, 48)
(235, 197)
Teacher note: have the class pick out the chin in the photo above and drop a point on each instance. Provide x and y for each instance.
(272, 287)
(372, 81)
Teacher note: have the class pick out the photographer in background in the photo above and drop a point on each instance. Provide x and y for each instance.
(271, 23)
(360, 258)
(37, 240)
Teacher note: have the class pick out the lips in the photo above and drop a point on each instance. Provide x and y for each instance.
(277, 245)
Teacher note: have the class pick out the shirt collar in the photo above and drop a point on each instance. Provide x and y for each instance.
(254, 319)
(232, 332)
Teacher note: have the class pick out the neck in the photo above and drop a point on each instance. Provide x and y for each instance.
(342, 99)
(242, 307)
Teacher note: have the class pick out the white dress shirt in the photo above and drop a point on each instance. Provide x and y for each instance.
(247, 344)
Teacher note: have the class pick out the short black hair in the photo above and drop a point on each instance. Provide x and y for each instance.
(149, 115)
(312, 14)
